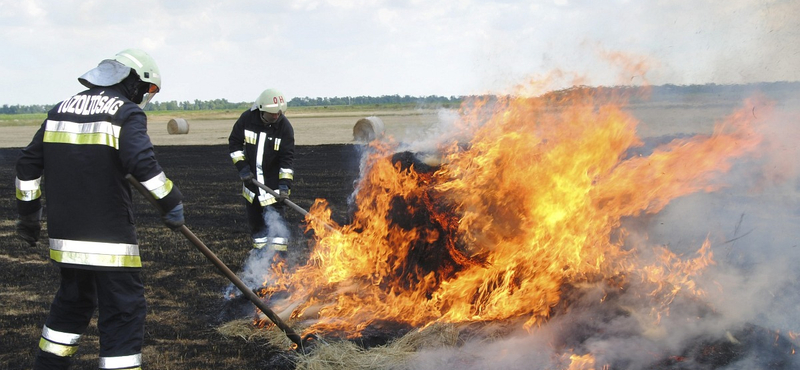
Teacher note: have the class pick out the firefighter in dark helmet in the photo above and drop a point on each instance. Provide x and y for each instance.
(78, 159)
(261, 145)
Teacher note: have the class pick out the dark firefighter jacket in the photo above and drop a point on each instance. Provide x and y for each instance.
(267, 149)
(81, 154)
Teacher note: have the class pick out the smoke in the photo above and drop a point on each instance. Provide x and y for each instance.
(259, 262)
(745, 317)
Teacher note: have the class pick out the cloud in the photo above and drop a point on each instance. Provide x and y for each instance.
(235, 49)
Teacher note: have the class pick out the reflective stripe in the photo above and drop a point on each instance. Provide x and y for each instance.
(60, 336)
(28, 190)
(277, 144)
(237, 156)
(95, 253)
(286, 173)
(263, 197)
(274, 105)
(276, 243)
(250, 137)
(57, 349)
(279, 244)
(279, 240)
(121, 362)
(159, 185)
(138, 63)
(101, 133)
(251, 196)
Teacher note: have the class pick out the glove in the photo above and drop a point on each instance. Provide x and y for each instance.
(283, 193)
(29, 227)
(246, 175)
(174, 218)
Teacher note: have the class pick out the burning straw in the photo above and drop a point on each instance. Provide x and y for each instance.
(520, 221)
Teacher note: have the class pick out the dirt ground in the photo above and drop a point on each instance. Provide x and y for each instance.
(310, 129)
(184, 291)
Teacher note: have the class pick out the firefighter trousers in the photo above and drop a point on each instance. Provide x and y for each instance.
(268, 226)
(119, 298)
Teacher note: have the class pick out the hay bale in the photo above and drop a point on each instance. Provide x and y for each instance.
(368, 129)
(177, 126)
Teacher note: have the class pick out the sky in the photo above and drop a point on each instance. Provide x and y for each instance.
(210, 49)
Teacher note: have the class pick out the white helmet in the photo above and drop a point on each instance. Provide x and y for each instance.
(112, 71)
(143, 64)
(271, 101)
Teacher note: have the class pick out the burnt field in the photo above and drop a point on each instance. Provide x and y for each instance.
(184, 291)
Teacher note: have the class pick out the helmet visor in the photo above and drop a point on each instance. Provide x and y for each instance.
(152, 90)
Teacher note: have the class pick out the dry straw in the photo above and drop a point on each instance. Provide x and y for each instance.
(336, 355)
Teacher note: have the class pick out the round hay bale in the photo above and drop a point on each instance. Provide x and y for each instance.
(368, 129)
(177, 126)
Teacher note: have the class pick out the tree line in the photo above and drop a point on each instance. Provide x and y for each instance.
(778, 89)
(217, 104)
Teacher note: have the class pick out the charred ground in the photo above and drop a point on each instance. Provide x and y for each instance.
(184, 291)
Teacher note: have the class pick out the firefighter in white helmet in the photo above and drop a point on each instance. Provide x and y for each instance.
(261, 145)
(84, 149)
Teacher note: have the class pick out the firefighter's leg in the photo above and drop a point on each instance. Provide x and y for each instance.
(70, 313)
(121, 301)
(277, 229)
(256, 222)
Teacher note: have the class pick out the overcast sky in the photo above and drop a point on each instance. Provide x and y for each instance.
(210, 49)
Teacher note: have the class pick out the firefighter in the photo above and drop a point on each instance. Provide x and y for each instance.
(261, 145)
(78, 159)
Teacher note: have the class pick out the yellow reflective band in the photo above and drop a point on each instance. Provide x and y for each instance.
(247, 194)
(286, 173)
(57, 349)
(279, 247)
(237, 156)
(29, 195)
(95, 253)
(98, 133)
(121, 362)
(81, 139)
(277, 144)
(95, 259)
(159, 185)
(264, 198)
(250, 137)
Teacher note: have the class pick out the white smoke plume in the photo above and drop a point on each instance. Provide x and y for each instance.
(258, 265)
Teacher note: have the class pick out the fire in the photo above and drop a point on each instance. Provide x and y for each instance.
(529, 199)
(585, 362)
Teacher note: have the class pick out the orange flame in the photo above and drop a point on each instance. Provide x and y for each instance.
(531, 202)
(585, 362)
